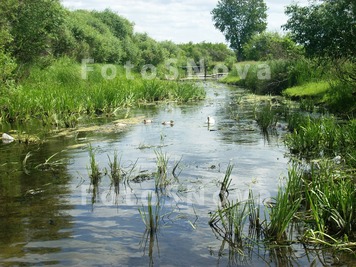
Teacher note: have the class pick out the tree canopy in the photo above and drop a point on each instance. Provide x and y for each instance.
(239, 20)
(324, 29)
(271, 45)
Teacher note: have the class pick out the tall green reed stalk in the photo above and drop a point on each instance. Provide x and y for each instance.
(94, 172)
(161, 177)
(152, 216)
(59, 96)
(266, 117)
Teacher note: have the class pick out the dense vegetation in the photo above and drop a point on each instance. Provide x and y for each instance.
(316, 59)
(42, 45)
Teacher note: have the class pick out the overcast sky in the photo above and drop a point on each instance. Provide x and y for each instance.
(180, 21)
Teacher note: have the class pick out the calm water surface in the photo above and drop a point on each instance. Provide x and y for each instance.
(51, 217)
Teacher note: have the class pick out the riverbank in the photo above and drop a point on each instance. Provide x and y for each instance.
(61, 93)
(323, 84)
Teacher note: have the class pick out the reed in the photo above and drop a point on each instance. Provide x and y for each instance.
(161, 177)
(94, 172)
(152, 215)
(281, 214)
(59, 96)
(116, 173)
(266, 117)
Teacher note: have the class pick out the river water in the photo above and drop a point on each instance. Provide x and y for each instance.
(50, 216)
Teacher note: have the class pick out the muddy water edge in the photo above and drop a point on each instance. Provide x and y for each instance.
(52, 213)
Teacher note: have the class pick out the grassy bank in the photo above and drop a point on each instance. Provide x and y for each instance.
(274, 76)
(321, 82)
(59, 95)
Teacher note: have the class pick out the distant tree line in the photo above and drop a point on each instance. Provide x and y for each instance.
(37, 32)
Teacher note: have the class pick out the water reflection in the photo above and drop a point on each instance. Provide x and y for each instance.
(32, 205)
(60, 216)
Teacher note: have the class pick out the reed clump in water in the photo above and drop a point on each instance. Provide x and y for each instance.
(152, 215)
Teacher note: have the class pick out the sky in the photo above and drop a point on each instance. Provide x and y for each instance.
(180, 21)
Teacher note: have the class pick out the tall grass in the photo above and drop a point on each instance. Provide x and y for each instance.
(58, 95)
(161, 177)
(266, 117)
(152, 216)
(282, 212)
(116, 173)
(325, 136)
(283, 74)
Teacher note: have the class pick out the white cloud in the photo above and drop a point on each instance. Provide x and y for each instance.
(178, 20)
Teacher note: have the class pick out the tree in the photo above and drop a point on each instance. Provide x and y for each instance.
(324, 29)
(269, 45)
(7, 62)
(35, 28)
(239, 20)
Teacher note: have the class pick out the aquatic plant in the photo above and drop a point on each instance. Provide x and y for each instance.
(51, 164)
(266, 117)
(325, 136)
(94, 172)
(231, 219)
(58, 95)
(152, 216)
(161, 177)
(116, 173)
(282, 211)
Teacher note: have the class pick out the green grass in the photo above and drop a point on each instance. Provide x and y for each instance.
(266, 117)
(161, 177)
(58, 95)
(311, 89)
(152, 216)
(94, 172)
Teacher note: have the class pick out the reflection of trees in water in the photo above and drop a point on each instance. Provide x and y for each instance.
(32, 207)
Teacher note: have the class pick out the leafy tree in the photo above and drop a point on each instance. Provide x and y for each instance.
(324, 29)
(94, 38)
(268, 45)
(150, 50)
(7, 62)
(35, 28)
(239, 20)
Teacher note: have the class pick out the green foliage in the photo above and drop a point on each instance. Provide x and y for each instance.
(58, 95)
(268, 46)
(274, 76)
(239, 21)
(119, 26)
(313, 137)
(341, 98)
(266, 117)
(94, 38)
(150, 50)
(324, 29)
(308, 89)
(35, 28)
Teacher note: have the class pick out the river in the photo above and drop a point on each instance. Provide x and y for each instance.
(49, 215)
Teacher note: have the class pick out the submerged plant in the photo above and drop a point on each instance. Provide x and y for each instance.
(51, 164)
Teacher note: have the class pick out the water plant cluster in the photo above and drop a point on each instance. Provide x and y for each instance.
(316, 209)
(58, 96)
